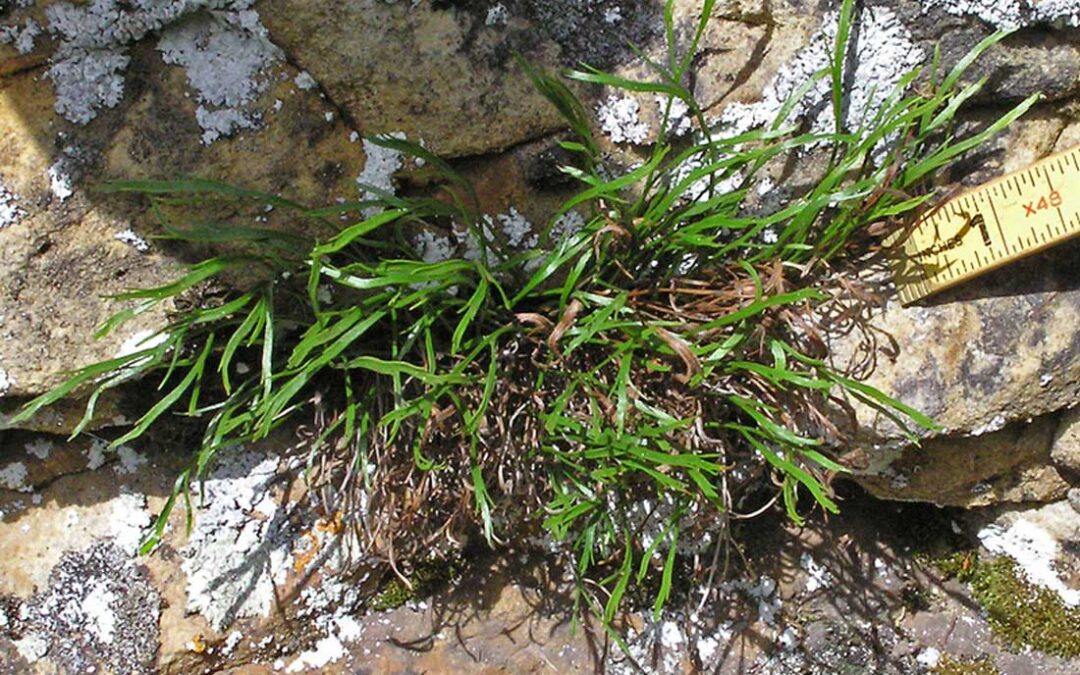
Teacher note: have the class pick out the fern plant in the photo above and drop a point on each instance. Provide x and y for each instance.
(601, 387)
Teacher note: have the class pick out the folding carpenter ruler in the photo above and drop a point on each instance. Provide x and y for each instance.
(992, 225)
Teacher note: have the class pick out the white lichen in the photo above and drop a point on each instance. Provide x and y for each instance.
(379, 168)
(21, 37)
(618, 118)
(929, 657)
(60, 181)
(223, 51)
(10, 213)
(128, 521)
(5, 382)
(40, 448)
(32, 647)
(129, 237)
(883, 54)
(497, 15)
(239, 546)
(224, 55)
(130, 460)
(997, 423)
(679, 120)
(305, 81)
(13, 477)
(326, 651)
(218, 124)
(1034, 549)
(517, 229)
(433, 247)
(1010, 14)
(100, 617)
(817, 576)
(567, 224)
(95, 454)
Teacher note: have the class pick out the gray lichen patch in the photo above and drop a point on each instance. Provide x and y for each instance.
(224, 56)
(881, 53)
(99, 612)
(224, 53)
(1005, 14)
(10, 211)
(241, 545)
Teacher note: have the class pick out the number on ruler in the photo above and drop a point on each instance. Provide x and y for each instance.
(1052, 200)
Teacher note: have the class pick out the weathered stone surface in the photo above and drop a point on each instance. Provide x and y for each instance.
(1033, 60)
(995, 351)
(999, 349)
(72, 595)
(1010, 465)
(67, 246)
(445, 73)
(1065, 450)
(73, 516)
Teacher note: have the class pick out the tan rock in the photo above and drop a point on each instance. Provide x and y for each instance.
(1006, 466)
(439, 74)
(1069, 138)
(1066, 448)
(996, 351)
(71, 246)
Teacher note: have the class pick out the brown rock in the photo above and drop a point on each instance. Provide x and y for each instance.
(995, 351)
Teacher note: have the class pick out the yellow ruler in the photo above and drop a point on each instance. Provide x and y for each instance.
(992, 225)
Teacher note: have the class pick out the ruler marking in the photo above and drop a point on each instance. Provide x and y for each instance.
(941, 251)
(997, 221)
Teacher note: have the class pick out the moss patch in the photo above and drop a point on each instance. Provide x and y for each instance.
(428, 578)
(1019, 612)
(952, 666)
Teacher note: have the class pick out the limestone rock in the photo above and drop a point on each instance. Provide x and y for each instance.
(72, 515)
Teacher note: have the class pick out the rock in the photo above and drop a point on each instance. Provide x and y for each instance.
(1068, 138)
(64, 246)
(1008, 465)
(442, 73)
(73, 516)
(1033, 60)
(1065, 450)
(996, 351)
(993, 351)
(98, 611)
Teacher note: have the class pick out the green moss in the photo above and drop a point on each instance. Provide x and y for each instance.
(427, 578)
(958, 565)
(1019, 612)
(952, 666)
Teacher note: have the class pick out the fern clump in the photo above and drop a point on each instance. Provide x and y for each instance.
(599, 388)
